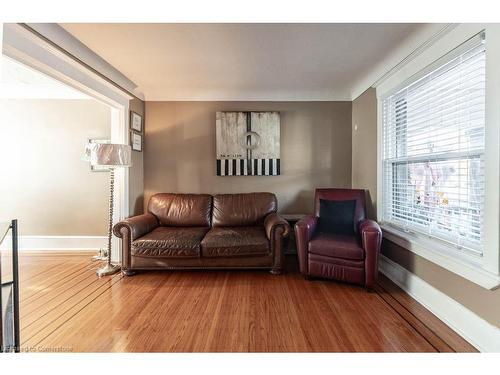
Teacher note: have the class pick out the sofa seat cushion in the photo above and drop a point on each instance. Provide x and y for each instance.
(337, 246)
(235, 241)
(172, 242)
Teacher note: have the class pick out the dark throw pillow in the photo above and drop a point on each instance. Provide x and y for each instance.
(336, 217)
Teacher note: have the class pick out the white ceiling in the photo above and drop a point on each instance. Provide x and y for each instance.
(245, 61)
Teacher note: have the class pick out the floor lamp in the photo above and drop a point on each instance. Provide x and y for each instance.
(111, 156)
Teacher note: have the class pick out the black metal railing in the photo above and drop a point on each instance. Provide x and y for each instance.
(9, 294)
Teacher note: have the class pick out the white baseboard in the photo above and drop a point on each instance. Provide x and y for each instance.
(58, 243)
(482, 335)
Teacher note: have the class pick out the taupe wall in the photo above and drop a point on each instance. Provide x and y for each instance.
(136, 171)
(48, 188)
(315, 150)
(364, 147)
(483, 302)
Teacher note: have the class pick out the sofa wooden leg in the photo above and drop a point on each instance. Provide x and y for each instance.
(128, 272)
(307, 277)
(276, 271)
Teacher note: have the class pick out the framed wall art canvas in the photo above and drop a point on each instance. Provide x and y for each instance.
(248, 143)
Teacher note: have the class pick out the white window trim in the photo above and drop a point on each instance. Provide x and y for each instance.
(485, 270)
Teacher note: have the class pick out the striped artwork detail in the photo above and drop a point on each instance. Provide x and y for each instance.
(248, 167)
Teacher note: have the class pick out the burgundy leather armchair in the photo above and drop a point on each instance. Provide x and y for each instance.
(352, 259)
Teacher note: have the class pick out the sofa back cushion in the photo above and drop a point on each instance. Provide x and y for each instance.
(181, 210)
(232, 210)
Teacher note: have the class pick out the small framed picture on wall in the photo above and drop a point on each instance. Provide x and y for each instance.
(135, 122)
(136, 141)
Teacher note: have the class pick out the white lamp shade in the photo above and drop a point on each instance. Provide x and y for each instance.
(109, 154)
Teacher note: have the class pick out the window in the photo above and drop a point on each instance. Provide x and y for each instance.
(433, 142)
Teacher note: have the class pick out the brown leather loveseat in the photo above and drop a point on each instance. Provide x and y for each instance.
(200, 231)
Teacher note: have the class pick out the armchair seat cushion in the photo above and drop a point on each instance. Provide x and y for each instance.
(235, 241)
(351, 271)
(337, 246)
(172, 242)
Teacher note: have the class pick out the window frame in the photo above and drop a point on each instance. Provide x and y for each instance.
(483, 270)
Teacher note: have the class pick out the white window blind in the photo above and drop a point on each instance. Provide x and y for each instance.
(433, 150)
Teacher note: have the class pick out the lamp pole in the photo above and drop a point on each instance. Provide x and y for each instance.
(110, 269)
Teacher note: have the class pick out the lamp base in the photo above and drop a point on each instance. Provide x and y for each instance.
(108, 269)
(101, 255)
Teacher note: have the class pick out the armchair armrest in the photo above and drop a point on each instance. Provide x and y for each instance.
(304, 231)
(371, 239)
(136, 226)
(272, 222)
(368, 225)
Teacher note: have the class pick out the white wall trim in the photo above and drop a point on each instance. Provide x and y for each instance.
(402, 55)
(448, 257)
(120, 134)
(59, 243)
(251, 95)
(24, 46)
(416, 52)
(68, 42)
(477, 331)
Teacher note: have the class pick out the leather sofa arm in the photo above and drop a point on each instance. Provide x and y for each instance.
(273, 221)
(137, 226)
(371, 239)
(304, 231)
(129, 230)
(276, 229)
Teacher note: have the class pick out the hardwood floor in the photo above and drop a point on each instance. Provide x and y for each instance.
(65, 307)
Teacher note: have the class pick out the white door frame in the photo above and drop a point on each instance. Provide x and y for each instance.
(29, 49)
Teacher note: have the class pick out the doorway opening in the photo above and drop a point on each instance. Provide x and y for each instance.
(47, 117)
